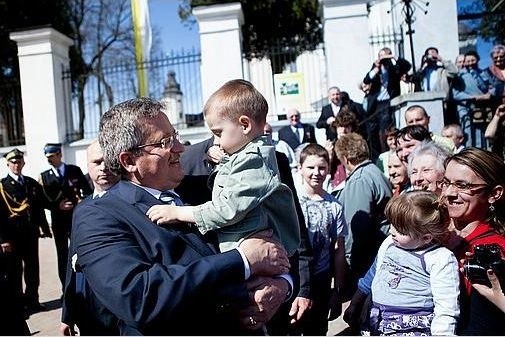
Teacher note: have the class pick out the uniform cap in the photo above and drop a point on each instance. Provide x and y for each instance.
(13, 154)
(52, 148)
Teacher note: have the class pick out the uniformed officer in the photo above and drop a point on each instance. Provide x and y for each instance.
(12, 321)
(24, 201)
(64, 186)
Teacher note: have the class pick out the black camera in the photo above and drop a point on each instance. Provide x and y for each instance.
(485, 257)
(385, 61)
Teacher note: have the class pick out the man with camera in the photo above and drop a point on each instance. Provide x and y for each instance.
(384, 80)
(435, 73)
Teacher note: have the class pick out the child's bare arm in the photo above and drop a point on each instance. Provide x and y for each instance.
(166, 214)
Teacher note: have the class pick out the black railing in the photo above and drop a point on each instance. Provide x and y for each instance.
(11, 114)
(114, 83)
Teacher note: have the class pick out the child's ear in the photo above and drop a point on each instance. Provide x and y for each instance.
(427, 238)
(245, 123)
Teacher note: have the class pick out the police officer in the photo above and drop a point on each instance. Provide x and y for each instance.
(64, 186)
(24, 201)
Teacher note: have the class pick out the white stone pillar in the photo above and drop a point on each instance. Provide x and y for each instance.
(346, 44)
(220, 43)
(43, 54)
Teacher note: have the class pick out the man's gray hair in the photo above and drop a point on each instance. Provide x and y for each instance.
(429, 148)
(122, 128)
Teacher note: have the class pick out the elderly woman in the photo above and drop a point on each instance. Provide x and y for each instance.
(426, 166)
(472, 189)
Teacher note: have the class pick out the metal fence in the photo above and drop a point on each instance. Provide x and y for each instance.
(114, 83)
(282, 60)
(387, 38)
(11, 114)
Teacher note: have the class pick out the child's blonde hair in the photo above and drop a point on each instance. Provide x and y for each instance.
(236, 98)
(417, 213)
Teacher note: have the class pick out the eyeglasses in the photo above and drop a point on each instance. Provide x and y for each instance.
(459, 185)
(294, 116)
(166, 143)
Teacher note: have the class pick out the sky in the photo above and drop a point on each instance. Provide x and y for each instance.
(176, 36)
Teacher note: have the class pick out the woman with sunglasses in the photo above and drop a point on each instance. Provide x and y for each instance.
(472, 189)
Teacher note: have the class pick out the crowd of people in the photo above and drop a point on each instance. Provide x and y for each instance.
(255, 235)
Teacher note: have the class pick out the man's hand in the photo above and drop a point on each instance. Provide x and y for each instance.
(266, 294)
(266, 256)
(299, 306)
(483, 97)
(330, 120)
(66, 330)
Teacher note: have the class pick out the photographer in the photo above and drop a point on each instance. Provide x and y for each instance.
(384, 80)
(435, 73)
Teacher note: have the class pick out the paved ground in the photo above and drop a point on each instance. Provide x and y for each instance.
(46, 323)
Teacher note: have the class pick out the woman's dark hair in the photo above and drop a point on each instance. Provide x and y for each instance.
(416, 132)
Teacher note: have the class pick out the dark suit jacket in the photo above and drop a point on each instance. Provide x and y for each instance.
(151, 278)
(286, 134)
(28, 221)
(395, 72)
(193, 188)
(327, 112)
(73, 187)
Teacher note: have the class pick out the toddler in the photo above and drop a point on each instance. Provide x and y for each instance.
(247, 195)
(416, 285)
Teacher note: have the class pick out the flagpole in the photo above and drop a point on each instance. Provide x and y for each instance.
(142, 35)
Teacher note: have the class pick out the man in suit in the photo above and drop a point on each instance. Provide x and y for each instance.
(154, 279)
(64, 186)
(384, 80)
(296, 132)
(25, 201)
(75, 310)
(329, 112)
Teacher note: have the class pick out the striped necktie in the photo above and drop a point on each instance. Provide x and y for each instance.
(170, 198)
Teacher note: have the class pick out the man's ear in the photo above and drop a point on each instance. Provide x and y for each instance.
(127, 160)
